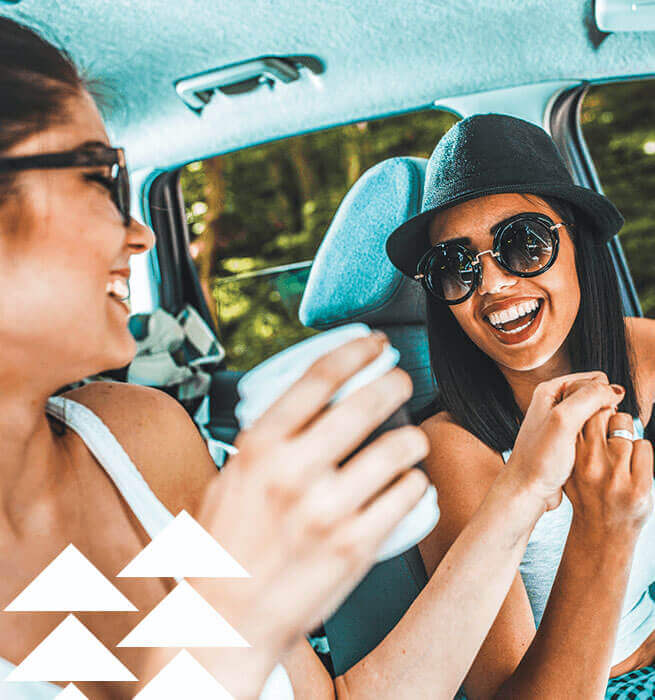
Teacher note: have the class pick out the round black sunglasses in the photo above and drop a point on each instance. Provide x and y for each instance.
(88, 155)
(525, 244)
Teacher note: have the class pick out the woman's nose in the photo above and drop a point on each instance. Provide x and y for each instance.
(493, 276)
(139, 237)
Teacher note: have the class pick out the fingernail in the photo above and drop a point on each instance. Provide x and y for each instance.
(381, 336)
(617, 389)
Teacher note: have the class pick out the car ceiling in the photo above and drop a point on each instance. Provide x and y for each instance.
(379, 58)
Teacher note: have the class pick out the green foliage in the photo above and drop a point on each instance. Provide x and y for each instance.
(270, 206)
(618, 126)
(259, 314)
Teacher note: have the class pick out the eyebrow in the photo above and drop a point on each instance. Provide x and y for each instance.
(464, 240)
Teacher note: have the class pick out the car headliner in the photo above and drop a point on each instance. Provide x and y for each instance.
(380, 58)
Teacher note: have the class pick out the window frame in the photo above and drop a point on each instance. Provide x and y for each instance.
(566, 130)
(179, 281)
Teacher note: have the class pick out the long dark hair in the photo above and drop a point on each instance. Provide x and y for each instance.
(36, 80)
(475, 392)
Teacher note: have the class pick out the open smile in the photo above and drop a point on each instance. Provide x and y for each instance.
(517, 323)
(119, 291)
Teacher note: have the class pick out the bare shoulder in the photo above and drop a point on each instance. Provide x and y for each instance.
(158, 435)
(641, 332)
(462, 468)
(456, 455)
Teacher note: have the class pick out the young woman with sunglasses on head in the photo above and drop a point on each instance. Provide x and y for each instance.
(305, 531)
(521, 289)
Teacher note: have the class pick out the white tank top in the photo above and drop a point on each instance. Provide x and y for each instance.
(150, 511)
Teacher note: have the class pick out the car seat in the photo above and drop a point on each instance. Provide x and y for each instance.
(352, 279)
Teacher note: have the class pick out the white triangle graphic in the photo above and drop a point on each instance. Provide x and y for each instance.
(183, 677)
(183, 619)
(184, 549)
(71, 653)
(70, 582)
(70, 692)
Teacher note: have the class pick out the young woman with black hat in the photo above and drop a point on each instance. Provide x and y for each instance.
(66, 236)
(521, 289)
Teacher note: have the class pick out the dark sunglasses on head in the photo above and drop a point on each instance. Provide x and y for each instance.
(90, 155)
(525, 245)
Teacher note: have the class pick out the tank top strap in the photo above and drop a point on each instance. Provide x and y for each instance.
(104, 446)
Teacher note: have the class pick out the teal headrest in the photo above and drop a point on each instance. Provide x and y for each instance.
(352, 279)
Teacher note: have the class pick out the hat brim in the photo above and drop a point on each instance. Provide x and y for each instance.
(410, 240)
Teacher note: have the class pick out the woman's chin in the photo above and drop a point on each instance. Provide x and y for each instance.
(529, 359)
(118, 352)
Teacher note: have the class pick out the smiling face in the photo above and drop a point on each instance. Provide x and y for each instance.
(548, 303)
(64, 260)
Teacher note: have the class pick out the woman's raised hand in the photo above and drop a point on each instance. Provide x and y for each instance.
(610, 486)
(545, 448)
(304, 528)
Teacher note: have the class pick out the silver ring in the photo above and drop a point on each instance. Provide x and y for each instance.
(621, 434)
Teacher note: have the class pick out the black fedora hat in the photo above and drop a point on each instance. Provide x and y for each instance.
(493, 154)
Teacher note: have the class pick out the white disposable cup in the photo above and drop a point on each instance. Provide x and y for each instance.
(263, 385)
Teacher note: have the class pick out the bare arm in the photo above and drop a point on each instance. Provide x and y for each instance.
(308, 529)
(576, 636)
(571, 651)
(610, 492)
(429, 651)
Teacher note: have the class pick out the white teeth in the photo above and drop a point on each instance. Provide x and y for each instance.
(497, 318)
(516, 330)
(118, 288)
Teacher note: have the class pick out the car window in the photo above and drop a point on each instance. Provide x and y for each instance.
(618, 124)
(257, 216)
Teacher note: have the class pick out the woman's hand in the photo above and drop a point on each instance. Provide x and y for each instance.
(545, 447)
(610, 486)
(304, 529)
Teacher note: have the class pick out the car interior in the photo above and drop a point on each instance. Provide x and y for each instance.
(274, 146)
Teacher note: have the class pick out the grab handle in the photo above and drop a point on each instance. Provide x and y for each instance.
(197, 90)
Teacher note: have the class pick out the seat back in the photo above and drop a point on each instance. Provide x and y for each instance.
(352, 279)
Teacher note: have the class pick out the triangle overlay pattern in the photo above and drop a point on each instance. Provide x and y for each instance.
(183, 619)
(71, 653)
(70, 583)
(184, 677)
(70, 692)
(184, 549)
